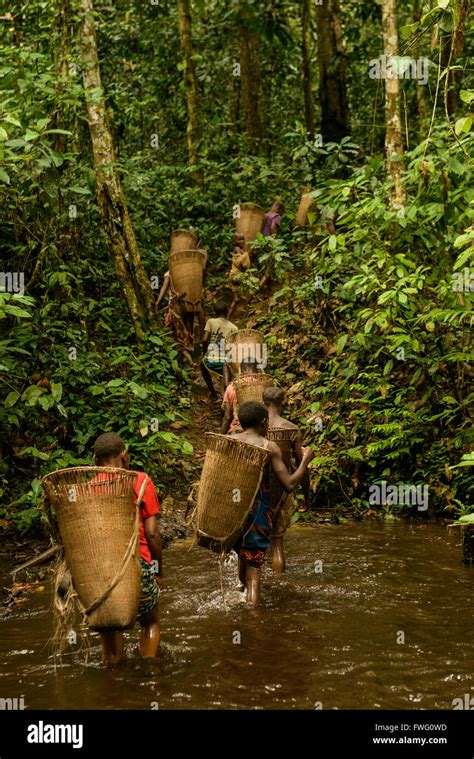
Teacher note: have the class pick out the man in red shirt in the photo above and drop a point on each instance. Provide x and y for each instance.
(110, 450)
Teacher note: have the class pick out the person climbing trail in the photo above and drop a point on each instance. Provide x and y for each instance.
(216, 332)
(271, 225)
(272, 220)
(240, 263)
(110, 450)
(179, 318)
(230, 420)
(274, 398)
(253, 419)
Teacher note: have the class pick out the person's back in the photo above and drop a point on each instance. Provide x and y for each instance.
(275, 420)
(110, 450)
(253, 418)
(272, 219)
(273, 398)
(216, 332)
(220, 328)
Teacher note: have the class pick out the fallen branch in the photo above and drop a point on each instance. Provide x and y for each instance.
(36, 560)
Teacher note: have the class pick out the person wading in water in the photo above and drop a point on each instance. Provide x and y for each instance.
(274, 398)
(110, 450)
(253, 418)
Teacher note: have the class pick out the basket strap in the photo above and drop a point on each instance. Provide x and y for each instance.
(129, 553)
(142, 490)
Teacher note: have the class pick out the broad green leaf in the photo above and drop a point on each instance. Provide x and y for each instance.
(30, 135)
(466, 95)
(341, 343)
(80, 190)
(12, 120)
(32, 451)
(463, 258)
(463, 125)
(56, 391)
(11, 398)
(16, 311)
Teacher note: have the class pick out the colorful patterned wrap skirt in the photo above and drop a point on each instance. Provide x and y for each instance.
(149, 592)
(257, 529)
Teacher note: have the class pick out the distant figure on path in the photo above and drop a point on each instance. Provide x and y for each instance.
(179, 318)
(240, 263)
(216, 332)
(271, 224)
(272, 219)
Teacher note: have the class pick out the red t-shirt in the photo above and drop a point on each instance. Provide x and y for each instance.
(149, 507)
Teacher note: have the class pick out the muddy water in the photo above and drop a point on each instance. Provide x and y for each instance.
(327, 638)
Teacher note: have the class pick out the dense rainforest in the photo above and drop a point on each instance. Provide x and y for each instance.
(121, 121)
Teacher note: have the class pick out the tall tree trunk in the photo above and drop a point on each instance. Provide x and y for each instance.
(332, 71)
(452, 47)
(233, 85)
(111, 201)
(306, 49)
(393, 125)
(190, 85)
(420, 88)
(249, 77)
(62, 41)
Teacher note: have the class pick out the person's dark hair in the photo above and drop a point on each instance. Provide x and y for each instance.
(278, 204)
(273, 395)
(221, 308)
(251, 414)
(249, 363)
(108, 446)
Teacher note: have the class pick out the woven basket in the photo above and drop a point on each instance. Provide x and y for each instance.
(250, 221)
(183, 239)
(302, 214)
(284, 438)
(230, 481)
(242, 346)
(97, 520)
(186, 272)
(250, 387)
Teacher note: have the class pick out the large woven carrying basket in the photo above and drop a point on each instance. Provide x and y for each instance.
(250, 387)
(230, 480)
(97, 519)
(243, 345)
(186, 272)
(302, 214)
(250, 221)
(284, 438)
(183, 239)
